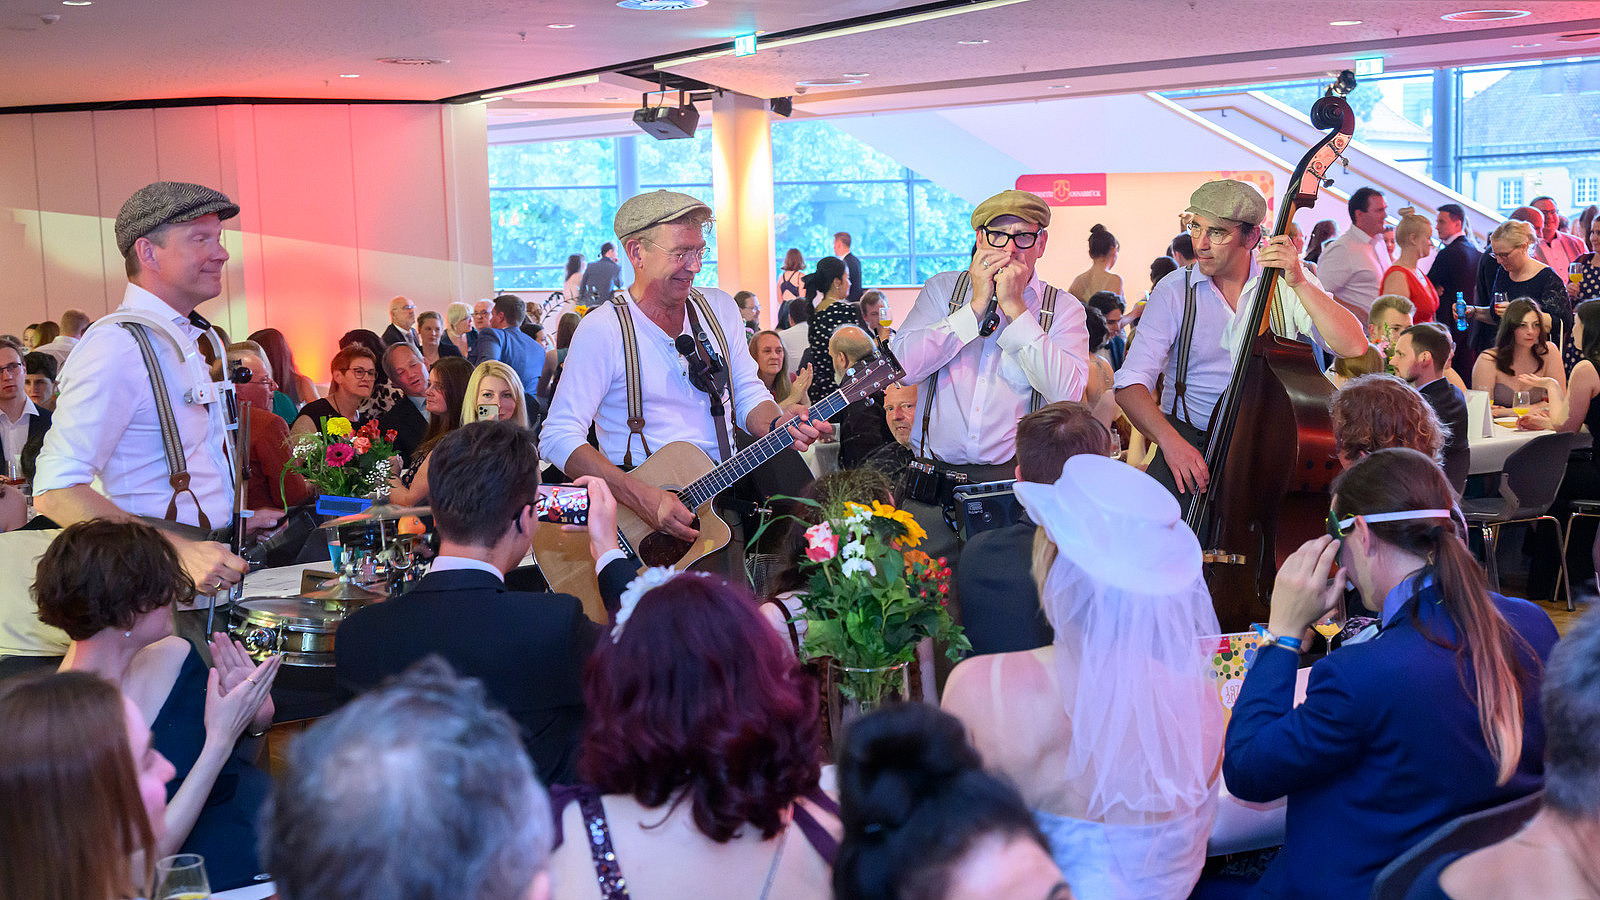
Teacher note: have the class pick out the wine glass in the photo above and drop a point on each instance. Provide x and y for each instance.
(1521, 402)
(181, 877)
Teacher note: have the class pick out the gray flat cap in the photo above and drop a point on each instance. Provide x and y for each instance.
(1228, 199)
(647, 210)
(165, 202)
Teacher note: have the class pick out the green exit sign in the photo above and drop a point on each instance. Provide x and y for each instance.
(1373, 66)
(744, 45)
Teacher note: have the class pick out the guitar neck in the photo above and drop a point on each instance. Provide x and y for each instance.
(747, 460)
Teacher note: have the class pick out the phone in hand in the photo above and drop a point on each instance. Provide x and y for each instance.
(488, 412)
(562, 504)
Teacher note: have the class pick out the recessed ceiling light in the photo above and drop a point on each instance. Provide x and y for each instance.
(1271, 68)
(561, 25)
(857, 74)
(77, 2)
(1345, 22)
(973, 43)
(413, 60)
(827, 82)
(1524, 46)
(1057, 87)
(661, 5)
(349, 75)
(1484, 15)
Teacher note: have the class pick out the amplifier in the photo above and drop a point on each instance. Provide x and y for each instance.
(981, 507)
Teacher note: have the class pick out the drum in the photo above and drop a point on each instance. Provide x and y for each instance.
(302, 630)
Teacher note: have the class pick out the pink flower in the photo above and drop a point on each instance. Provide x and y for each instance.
(339, 454)
(361, 444)
(822, 543)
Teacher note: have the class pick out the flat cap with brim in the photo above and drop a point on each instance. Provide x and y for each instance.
(1022, 204)
(1227, 199)
(648, 210)
(167, 202)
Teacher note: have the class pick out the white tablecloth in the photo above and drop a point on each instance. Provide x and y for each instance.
(1488, 454)
(253, 892)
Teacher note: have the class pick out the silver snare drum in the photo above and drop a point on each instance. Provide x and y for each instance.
(302, 630)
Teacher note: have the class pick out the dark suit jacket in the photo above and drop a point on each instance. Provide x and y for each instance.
(514, 348)
(1455, 269)
(862, 430)
(1385, 748)
(409, 424)
(37, 426)
(1448, 401)
(528, 650)
(448, 347)
(853, 266)
(1483, 334)
(393, 335)
(999, 602)
(601, 279)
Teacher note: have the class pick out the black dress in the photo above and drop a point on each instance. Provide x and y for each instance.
(322, 408)
(823, 324)
(1547, 290)
(225, 831)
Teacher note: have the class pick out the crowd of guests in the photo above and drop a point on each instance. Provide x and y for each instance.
(498, 742)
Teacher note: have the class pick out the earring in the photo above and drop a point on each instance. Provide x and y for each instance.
(128, 633)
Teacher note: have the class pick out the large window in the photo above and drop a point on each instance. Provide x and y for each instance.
(552, 199)
(903, 227)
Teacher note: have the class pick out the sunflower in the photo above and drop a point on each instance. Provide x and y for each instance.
(914, 534)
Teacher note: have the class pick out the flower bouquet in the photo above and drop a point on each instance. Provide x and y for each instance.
(872, 597)
(343, 461)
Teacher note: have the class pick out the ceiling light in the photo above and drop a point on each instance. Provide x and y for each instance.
(349, 75)
(661, 5)
(1484, 15)
(973, 43)
(77, 2)
(1524, 46)
(547, 85)
(561, 25)
(1058, 87)
(610, 98)
(827, 82)
(413, 60)
(857, 74)
(1272, 68)
(1578, 37)
(1345, 22)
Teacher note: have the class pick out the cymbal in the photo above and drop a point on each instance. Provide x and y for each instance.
(380, 513)
(344, 592)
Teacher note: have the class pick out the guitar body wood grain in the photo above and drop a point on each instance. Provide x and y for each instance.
(671, 467)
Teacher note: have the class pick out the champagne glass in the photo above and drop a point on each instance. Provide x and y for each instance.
(181, 877)
(1521, 402)
(1575, 272)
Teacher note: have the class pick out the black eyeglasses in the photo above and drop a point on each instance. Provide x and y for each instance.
(11, 369)
(1023, 239)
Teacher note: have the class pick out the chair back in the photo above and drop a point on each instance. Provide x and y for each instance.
(1473, 831)
(1533, 474)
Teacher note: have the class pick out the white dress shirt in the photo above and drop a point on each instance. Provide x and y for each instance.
(14, 433)
(59, 348)
(1218, 333)
(986, 384)
(795, 338)
(105, 423)
(457, 563)
(594, 386)
(1352, 265)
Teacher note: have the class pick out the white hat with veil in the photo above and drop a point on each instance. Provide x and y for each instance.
(1129, 608)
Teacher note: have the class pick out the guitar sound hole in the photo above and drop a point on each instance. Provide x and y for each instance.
(661, 549)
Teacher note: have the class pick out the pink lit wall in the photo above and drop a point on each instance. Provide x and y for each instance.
(342, 208)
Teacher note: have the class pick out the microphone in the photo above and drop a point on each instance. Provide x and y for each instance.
(992, 320)
(685, 345)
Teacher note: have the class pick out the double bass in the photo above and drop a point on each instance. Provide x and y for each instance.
(1271, 451)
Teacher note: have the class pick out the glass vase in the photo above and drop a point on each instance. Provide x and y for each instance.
(853, 692)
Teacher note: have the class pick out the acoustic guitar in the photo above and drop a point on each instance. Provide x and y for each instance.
(686, 470)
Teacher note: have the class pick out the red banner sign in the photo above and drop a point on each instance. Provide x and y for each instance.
(1067, 190)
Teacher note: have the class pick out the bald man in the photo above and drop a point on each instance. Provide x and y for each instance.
(862, 426)
(402, 323)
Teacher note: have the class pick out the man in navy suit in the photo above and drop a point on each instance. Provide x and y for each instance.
(1420, 354)
(504, 340)
(994, 582)
(1455, 270)
(528, 649)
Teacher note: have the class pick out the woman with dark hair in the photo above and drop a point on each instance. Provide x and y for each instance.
(1522, 359)
(794, 269)
(827, 287)
(385, 393)
(556, 359)
(1321, 233)
(573, 281)
(351, 375)
(1099, 277)
(1431, 718)
(447, 391)
(923, 820)
(700, 755)
(297, 387)
(1582, 479)
(109, 586)
(82, 790)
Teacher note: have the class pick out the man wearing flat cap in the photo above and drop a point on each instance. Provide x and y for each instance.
(1191, 330)
(107, 421)
(985, 346)
(663, 234)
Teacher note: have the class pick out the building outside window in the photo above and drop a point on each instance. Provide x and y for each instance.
(1510, 194)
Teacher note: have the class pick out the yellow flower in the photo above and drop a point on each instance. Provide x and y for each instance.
(914, 532)
(337, 426)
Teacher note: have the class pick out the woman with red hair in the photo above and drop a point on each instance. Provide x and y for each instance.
(701, 755)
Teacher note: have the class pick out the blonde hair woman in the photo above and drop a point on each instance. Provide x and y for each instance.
(493, 383)
(1413, 236)
(1523, 276)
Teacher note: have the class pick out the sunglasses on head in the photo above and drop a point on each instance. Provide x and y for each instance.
(1338, 528)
